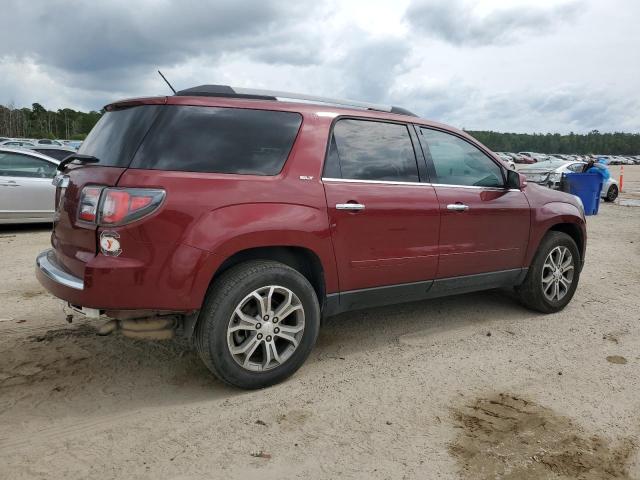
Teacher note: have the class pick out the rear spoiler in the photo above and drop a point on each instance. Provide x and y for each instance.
(132, 102)
(76, 156)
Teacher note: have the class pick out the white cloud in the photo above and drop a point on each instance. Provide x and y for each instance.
(466, 23)
(529, 66)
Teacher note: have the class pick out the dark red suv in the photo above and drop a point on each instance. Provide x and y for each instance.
(240, 218)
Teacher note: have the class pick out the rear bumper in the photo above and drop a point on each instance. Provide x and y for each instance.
(48, 266)
(178, 283)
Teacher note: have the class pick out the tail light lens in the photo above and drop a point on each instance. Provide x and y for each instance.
(118, 206)
(89, 200)
(125, 205)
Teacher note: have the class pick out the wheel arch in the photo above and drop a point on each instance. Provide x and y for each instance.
(559, 216)
(574, 231)
(302, 259)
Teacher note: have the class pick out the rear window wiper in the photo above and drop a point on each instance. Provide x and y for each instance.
(77, 156)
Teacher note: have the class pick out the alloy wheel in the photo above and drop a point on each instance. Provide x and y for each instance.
(265, 328)
(557, 273)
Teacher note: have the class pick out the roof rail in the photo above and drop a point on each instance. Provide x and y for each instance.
(235, 92)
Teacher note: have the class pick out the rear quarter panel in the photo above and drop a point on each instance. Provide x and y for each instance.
(222, 214)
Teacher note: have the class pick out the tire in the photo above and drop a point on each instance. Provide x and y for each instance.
(612, 194)
(233, 303)
(531, 292)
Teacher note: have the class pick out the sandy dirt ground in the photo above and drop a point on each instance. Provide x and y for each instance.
(473, 386)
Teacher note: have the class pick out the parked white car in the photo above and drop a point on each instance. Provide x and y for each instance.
(46, 141)
(549, 173)
(17, 143)
(26, 192)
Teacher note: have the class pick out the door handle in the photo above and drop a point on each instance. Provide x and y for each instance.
(349, 206)
(10, 183)
(458, 207)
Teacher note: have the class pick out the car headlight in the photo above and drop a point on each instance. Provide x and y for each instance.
(580, 205)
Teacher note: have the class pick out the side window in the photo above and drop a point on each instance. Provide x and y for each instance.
(16, 165)
(457, 162)
(217, 140)
(369, 150)
(332, 164)
(576, 167)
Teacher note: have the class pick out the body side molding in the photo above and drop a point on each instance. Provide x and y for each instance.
(410, 292)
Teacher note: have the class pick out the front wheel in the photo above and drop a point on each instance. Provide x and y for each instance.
(553, 276)
(258, 325)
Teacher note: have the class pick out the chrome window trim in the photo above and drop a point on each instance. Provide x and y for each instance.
(383, 182)
(475, 187)
(427, 184)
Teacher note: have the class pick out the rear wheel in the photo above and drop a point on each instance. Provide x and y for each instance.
(612, 194)
(258, 325)
(553, 276)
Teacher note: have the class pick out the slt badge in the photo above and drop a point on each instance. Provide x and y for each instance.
(109, 244)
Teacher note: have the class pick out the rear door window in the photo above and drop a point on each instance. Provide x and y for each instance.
(371, 150)
(219, 140)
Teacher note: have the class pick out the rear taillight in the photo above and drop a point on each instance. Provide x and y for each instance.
(125, 205)
(117, 206)
(89, 200)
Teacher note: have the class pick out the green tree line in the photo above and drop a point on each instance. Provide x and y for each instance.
(593, 142)
(38, 122)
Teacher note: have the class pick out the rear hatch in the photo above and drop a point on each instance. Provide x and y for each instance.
(113, 141)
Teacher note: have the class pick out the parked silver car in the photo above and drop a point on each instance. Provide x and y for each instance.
(46, 141)
(549, 173)
(54, 151)
(17, 143)
(26, 192)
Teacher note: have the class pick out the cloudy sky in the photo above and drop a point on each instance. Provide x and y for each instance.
(521, 66)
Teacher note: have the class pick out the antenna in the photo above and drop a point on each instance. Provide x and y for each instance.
(165, 79)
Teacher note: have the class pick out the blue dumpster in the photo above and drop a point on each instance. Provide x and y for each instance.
(587, 186)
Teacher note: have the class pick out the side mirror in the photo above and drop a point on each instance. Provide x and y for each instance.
(516, 180)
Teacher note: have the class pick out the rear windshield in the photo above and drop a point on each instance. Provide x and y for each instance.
(117, 135)
(218, 140)
(53, 153)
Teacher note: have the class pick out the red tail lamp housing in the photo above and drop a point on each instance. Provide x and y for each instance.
(111, 207)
